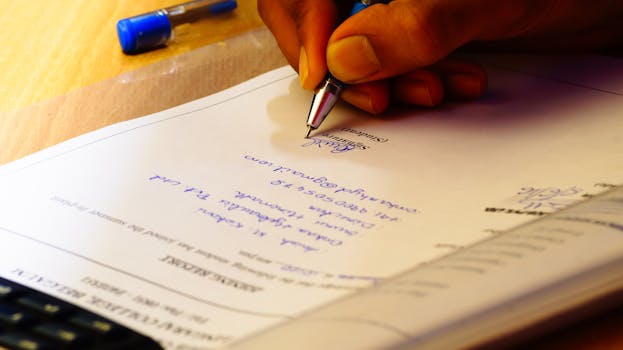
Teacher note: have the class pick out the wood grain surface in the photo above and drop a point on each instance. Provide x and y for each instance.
(63, 71)
(52, 47)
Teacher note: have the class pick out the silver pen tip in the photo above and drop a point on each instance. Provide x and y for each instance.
(309, 130)
(324, 100)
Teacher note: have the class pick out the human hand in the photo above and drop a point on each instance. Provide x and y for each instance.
(400, 50)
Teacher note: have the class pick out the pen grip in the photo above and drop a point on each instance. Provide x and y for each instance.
(358, 6)
(363, 4)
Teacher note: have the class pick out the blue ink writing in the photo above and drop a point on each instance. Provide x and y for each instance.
(199, 193)
(306, 248)
(321, 212)
(221, 219)
(354, 144)
(324, 182)
(320, 196)
(277, 222)
(334, 145)
(165, 180)
(340, 229)
(320, 237)
(275, 206)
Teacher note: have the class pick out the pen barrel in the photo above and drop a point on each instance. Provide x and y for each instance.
(333, 85)
(154, 29)
(194, 10)
(328, 93)
(363, 4)
(325, 98)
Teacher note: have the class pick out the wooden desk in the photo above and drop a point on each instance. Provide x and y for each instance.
(50, 48)
(63, 74)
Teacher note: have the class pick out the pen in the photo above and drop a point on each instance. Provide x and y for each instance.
(328, 92)
(153, 29)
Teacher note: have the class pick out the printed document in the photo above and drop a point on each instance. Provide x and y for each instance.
(213, 220)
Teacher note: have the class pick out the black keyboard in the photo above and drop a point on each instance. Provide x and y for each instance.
(32, 320)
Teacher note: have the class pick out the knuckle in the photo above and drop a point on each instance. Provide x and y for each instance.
(424, 35)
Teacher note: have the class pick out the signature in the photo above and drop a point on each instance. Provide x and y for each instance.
(333, 145)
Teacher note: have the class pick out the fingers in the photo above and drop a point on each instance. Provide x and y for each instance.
(276, 16)
(449, 79)
(316, 19)
(462, 80)
(389, 40)
(302, 29)
(382, 62)
(372, 97)
(422, 87)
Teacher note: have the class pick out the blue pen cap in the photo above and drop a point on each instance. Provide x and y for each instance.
(144, 32)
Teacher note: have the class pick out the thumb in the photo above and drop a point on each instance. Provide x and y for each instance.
(387, 40)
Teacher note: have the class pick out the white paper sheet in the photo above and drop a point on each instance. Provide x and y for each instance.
(209, 221)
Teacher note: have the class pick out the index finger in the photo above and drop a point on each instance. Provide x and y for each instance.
(302, 28)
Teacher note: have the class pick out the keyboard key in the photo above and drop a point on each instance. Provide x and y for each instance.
(23, 341)
(62, 334)
(9, 289)
(44, 304)
(97, 324)
(11, 316)
(33, 320)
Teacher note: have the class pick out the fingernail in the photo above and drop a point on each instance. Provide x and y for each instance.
(360, 100)
(464, 85)
(303, 66)
(352, 59)
(416, 92)
(423, 92)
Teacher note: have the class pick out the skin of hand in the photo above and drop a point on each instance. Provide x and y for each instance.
(403, 50)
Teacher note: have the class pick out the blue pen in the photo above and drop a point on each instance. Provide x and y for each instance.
(329, 91)
(151, 30)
